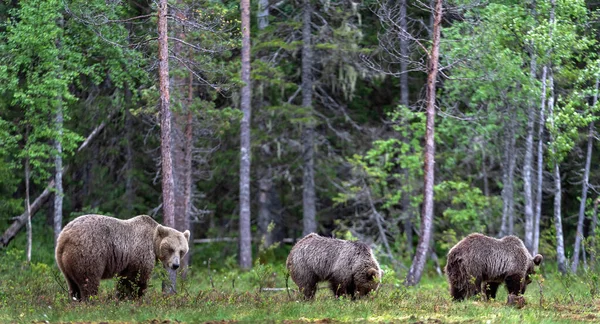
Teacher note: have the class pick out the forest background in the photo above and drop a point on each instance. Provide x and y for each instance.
(339, 100)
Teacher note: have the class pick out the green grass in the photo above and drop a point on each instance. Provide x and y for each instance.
(35, 293)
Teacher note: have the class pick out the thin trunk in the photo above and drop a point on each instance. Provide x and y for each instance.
(404, 100)
(27, 204)
(584, 189)
(165, 133)
(593, 250)
(129, 166)
(418, 264)
(58, 167)
(508, 172)
(308, 192)
(187, 185)
(404, 55)
(265, 185)
(527, 163)
(511, 177)
(58, 163)
(262, 15)
(21, 220)
(245, 234)
(540, 165)
(560, 245)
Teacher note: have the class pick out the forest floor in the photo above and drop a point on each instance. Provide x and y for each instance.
(36, 293)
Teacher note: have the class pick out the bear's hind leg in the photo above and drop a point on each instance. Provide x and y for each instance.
(74, 291)
(491, 288)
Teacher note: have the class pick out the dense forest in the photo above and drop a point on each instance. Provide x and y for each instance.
(404, 124)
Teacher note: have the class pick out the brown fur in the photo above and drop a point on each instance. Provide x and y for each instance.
(350, 267)
(482, 260)
(95, 247)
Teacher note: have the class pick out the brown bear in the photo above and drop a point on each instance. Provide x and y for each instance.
(350, 267)
(95, 247)
(482, 260)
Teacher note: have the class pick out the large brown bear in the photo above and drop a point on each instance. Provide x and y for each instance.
(95, 247)
(350, 267)
(482, 260)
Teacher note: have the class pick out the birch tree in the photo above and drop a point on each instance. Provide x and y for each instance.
(245, 245)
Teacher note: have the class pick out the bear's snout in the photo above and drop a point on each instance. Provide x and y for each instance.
(175, 266)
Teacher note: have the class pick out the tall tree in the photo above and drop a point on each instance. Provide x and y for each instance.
(245, 245)
(416, 269)
(540, 164)
(168, 195)
(585, 185)
(528, 159)
(58, 163)
(308, 134)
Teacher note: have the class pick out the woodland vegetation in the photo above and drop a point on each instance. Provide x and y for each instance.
(404, 124)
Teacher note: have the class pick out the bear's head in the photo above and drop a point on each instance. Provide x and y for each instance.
(368, 280)
(170, 246)
(535, 261)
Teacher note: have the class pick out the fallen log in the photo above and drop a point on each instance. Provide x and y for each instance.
(19, 221)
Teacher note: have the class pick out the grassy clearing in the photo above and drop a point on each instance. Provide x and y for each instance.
(35, 293)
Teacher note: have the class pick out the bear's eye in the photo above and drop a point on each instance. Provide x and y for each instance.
(181, 253)
(171, 250)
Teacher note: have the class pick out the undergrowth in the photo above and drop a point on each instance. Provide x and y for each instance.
(36, 292)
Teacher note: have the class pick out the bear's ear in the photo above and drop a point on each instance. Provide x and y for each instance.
(538, 259)
(187, 235)
(372, 273)
(162, 231)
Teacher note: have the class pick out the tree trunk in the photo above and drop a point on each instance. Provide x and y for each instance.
(593, 250)
(308, 192)
(27, 204)
(584, 189)
(182, 140)
(404, 100)
(527, 163)
(21, 220)
(245, 235)
(262, 15)
(265, 185)
(540, 165)
(58, 166)
(58, 163)
(560, 245)
(508, 172)
(165, 133)
(129, 165)
(416, 269)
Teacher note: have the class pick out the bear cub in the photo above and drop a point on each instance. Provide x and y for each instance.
(349, 267)
(480, 262)
(95, 247)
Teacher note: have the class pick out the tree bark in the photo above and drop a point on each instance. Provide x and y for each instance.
(58, 163)
(168, 194)
(527, 163)
(560, 245)
(593, 243)
(404, 100)
(308, 192)
(584, 189)
(27, 204)
(262, 15)
(245, 235)
(540, 165)
(508, 172)
(416, 269)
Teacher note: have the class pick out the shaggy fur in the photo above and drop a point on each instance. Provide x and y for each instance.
(481, 260)
(95, 247)
(350, 267)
